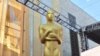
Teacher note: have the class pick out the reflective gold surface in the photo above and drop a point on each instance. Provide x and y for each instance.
(51, 36)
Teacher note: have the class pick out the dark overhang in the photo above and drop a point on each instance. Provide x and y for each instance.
(93, 32)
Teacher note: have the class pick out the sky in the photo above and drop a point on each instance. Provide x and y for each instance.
(92, 7)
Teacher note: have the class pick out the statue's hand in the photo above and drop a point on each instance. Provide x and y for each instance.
(47, 33)
(53, 35)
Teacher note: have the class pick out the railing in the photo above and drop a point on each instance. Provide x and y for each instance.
(42, 9)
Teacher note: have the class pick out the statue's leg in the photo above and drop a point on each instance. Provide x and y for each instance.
(50, 51)
(47, 52)
(57, 52)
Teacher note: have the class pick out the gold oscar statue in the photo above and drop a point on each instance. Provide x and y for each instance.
(51, 36)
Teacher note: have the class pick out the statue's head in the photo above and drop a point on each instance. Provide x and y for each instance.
(50, 16)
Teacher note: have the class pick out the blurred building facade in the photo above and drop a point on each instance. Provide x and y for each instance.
(19, 28)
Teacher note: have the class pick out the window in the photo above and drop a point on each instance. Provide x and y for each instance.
(72, 19)
(73, 36)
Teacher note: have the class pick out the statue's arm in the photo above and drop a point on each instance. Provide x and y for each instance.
(60, 36)
(41, 33)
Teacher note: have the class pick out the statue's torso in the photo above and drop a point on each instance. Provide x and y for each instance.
(54, 30)
(49, 40)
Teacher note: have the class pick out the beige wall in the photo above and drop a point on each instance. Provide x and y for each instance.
(12, 31)
(37, 45)
(2, 24)
(1, 9)
(26, 39)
